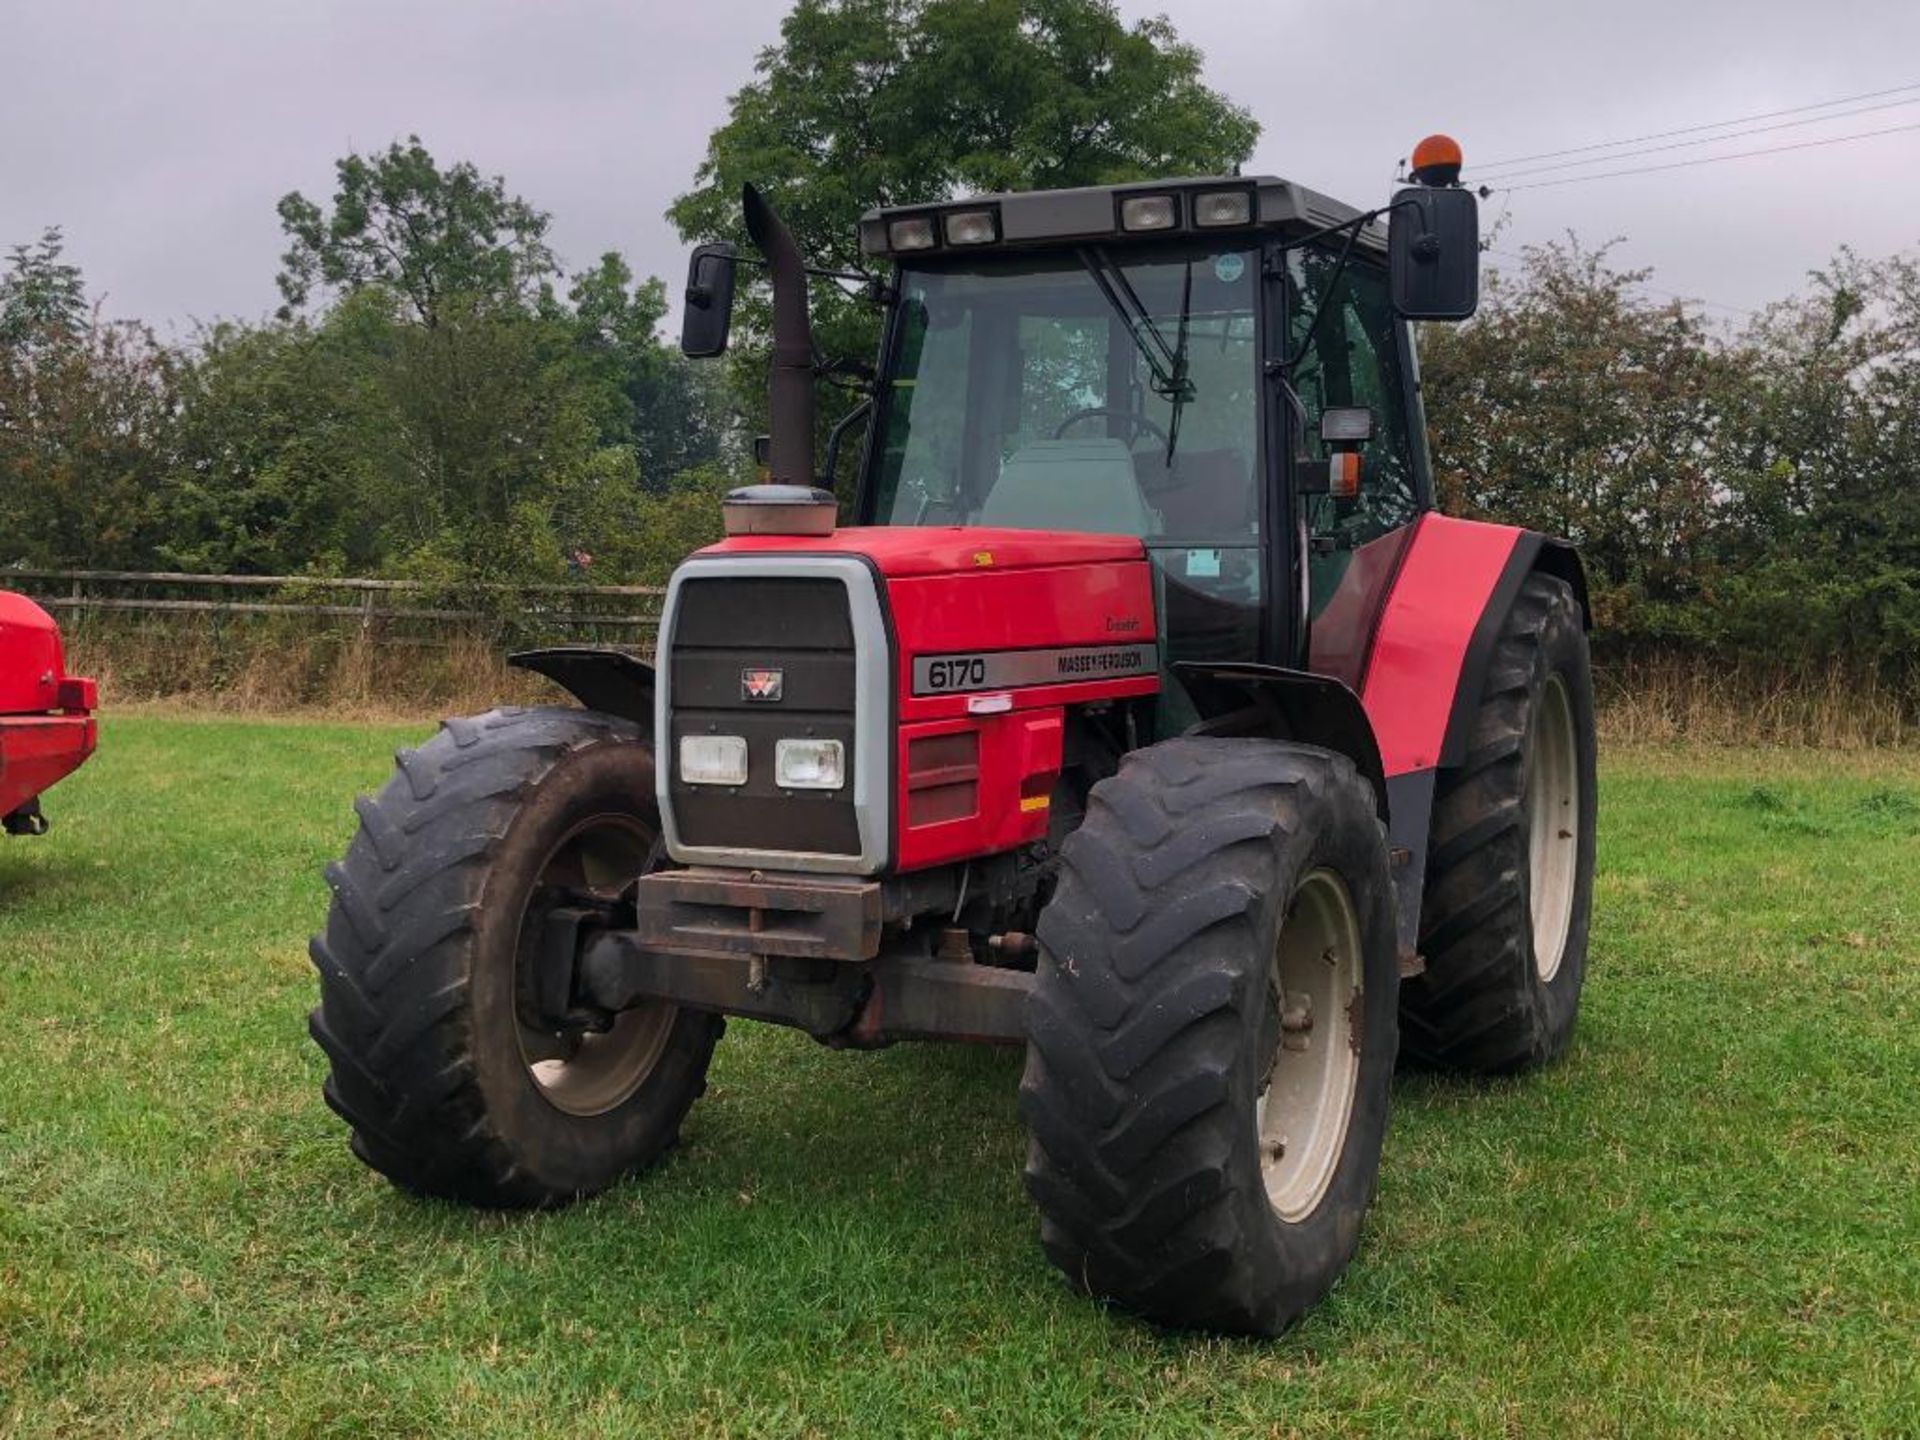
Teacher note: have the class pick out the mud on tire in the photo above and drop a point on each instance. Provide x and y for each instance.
(421, 1013)
(1156, 1020)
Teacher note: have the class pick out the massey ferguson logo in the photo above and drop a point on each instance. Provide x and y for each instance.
(763, 685)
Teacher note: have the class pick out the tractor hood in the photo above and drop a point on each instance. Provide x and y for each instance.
(934, 666)
(938, 550)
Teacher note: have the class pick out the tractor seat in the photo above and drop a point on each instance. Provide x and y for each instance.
(1204, 496)
(1086, 485)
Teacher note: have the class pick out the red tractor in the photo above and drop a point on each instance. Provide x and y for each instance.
(47, 727)
(1148, 715)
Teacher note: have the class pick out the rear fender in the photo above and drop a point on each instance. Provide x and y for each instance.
(36, 752)
(1428, 663)
(1434, 642)
(598, 676)
(1532, 554)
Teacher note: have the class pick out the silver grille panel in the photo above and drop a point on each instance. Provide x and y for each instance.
(872, 749)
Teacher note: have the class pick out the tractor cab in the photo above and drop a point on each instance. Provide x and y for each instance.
(1214, 366)
(1220, 367)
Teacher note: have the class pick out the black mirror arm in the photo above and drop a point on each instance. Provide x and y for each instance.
(1353, 228)
(1321, 301)
(857, 277)
(1356, 223)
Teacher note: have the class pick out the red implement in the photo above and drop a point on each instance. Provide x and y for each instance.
(47, 725)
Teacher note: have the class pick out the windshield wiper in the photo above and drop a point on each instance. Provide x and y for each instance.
(1166, 363)
(1184, 389)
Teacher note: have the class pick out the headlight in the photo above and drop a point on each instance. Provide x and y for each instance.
(713, 759)
(809, 764)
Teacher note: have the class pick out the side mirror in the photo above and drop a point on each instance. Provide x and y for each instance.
(708, 316)
(1433, 247)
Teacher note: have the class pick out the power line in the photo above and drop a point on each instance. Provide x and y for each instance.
(1696, 129)
(1703, 140)
(1703, 160)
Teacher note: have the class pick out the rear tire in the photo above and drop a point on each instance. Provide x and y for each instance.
(1509, 886)
(1220, 892)
(452, 1086)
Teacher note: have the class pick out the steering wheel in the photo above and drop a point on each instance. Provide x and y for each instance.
(1134, 418)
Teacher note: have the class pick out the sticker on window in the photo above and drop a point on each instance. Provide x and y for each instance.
(1229, 267)
(1203, 564)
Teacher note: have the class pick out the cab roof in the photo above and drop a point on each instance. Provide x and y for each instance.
(1031, 219)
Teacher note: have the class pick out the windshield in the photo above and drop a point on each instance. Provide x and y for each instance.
(1109, 389)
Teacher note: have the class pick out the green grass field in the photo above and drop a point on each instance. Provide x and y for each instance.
(1707, 1221)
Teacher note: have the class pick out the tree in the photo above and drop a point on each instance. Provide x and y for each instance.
(289, 454)
(890, 102)
(1737, 497)
(1827, 523)
(43, 299)
(86, 445)
(1573, 406)
(445, 413)
(400, 221)
(667, 408)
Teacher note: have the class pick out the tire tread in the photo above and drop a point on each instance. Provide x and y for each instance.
(393, 980)
(1128, 1092)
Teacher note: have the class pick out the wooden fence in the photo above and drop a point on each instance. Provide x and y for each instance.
(626, 613)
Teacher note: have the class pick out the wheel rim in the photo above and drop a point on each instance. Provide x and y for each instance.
(577, 1070)
(1307, 1101)
(1553, 826)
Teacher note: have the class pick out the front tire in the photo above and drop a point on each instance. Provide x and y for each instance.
(1509, 888)
(1212, 1034)
(451, 1083)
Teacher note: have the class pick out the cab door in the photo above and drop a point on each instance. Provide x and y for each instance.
(1353, 547)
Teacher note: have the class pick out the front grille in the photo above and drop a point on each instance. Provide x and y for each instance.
(725, 627)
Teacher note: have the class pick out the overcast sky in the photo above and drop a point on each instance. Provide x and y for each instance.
(160, 135)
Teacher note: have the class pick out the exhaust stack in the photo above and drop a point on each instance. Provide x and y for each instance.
(790, 391)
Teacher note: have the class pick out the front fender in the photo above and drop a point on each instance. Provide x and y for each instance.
(1243, 698)
(600, 677)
